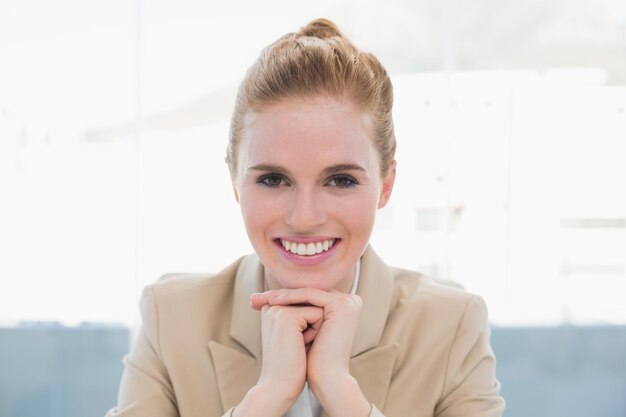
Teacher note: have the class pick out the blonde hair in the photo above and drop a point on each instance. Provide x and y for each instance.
(317, 60)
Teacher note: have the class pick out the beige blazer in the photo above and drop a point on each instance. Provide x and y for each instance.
(420, 349)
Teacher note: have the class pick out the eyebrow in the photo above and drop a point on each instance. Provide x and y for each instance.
(327, 171)
(343, 167)
(268, 167)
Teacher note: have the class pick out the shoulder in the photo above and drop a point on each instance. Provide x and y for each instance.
(190, 307)
(413, 288)
(181, 284)
(425, 310)
(188, 293)
(433, 322)
(414, 303)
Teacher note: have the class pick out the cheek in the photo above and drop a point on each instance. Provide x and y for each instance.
(359, 214)
(258, 212)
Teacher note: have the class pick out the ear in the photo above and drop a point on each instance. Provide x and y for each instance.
(388, 182)
(233, 182)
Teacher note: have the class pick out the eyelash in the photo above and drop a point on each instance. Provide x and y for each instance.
(349, 180)
(277, 180)
(263, 180)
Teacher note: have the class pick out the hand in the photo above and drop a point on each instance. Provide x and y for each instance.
(285, 333)
(285, 330)
(327, 361)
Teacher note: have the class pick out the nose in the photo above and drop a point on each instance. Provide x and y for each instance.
(305, 209)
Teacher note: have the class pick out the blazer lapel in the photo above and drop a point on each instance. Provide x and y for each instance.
(376, 291)
(371, 364)
(238, 370)
(236, 373)
(372, 370)
(245, 324)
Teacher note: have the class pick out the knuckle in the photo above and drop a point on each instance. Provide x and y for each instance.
(349, 302)
(271, 311)
(280, 313)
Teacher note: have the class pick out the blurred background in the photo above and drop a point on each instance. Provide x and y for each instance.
(511, 127)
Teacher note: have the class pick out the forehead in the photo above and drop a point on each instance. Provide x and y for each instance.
(321, 129)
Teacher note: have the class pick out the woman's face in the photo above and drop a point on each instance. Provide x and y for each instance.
(309, 184)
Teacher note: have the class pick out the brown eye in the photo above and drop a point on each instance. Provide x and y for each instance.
(343, 181)
(271, 180)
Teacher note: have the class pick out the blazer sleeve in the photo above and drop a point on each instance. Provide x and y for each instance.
(146, 389)
(470, 387)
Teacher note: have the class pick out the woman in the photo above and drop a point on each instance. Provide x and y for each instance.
(314, 323)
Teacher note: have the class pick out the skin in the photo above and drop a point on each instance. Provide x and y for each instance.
(308, 170)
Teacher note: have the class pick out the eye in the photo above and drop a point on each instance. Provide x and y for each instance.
(343, 181)
(271, 180)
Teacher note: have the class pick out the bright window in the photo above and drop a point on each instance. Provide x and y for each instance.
(114, 120)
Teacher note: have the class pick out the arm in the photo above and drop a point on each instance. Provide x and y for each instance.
(471, 388)
(146, 389)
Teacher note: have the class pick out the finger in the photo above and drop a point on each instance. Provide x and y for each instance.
(300, 317)
(309, 335)
(258, 304)
(310, 296)
(311, 331)
(258, 300)
(286, 296)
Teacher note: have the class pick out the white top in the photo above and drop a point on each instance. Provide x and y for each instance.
(307, 405)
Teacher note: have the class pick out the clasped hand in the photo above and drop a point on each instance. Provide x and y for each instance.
(307, 336)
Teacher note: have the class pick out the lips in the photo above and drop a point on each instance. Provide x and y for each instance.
(310, 248)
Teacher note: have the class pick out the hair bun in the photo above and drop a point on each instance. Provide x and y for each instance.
(320, 28)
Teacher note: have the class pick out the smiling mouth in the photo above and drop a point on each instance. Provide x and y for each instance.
(309, 248)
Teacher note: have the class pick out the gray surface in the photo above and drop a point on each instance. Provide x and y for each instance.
(52, 371)
(562, 371)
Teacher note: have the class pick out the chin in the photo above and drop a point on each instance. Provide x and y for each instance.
(306, 281)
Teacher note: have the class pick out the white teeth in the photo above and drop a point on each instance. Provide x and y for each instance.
(308, 249)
